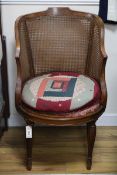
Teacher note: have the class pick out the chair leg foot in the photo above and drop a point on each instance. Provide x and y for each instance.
(91, 134)
(89, 163)
(29, 153)
(29, 164)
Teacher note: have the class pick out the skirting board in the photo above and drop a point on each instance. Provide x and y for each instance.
(104, 120)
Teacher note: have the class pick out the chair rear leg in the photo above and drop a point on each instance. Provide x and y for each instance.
(91, 134)
(29, 146)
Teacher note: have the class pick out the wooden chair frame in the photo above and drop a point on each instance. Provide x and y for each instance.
(66, 119)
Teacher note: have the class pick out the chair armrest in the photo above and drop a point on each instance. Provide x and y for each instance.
(103, 84)
(103, 52)
(17, 54)
(18, 89)
(19, 81)
(104, 57)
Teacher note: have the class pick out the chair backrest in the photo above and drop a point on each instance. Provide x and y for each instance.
(60, 39)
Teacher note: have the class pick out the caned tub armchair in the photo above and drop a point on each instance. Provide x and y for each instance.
(61, 61)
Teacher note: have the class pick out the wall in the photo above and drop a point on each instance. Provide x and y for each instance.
(9, 15)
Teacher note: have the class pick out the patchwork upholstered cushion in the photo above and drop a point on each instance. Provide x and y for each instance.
(60, 92)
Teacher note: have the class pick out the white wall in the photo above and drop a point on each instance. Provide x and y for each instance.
(9, 15)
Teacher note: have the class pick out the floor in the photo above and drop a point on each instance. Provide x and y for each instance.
(58, 150)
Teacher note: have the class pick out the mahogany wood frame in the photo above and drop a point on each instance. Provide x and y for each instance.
(32, 116)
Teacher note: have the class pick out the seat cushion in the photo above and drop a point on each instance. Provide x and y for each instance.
(60, 92)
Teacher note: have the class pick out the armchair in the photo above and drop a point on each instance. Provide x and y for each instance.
(60, 59)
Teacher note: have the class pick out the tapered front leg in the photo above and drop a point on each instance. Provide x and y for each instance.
(29, 128)
(91, 134)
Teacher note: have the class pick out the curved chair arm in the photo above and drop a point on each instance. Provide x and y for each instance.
(104, 55)
(103, 84)
(18, 82)
(21, 64)
(17, 57)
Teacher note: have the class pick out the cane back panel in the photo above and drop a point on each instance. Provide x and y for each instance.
(60, 43)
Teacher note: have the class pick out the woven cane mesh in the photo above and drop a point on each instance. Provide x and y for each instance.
(24, 54)
(95, 58)
(60, 43)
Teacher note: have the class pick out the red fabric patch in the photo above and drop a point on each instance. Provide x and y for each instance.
(53, 106)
